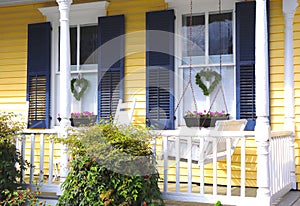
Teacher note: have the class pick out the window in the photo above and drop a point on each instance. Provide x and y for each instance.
(83, 20)
(84, 64)
(226, 32)
(218, 41)
(207, 43)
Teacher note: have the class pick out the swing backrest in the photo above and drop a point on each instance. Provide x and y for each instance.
(223, 125)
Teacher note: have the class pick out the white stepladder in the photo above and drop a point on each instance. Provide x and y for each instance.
(124, 112)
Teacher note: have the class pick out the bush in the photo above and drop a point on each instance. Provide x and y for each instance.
(111, 166)
(10, 158)
(22, 197)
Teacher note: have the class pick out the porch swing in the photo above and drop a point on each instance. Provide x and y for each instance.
(202, 148)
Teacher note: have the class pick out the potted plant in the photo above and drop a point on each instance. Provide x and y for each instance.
(204, 119)
(81, 118)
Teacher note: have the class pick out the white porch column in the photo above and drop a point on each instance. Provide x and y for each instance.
(262, 129)
(65, 77)
(289, 8)
(65, 74)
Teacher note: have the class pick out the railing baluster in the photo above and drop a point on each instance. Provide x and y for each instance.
(51, 157)
(215, 168)
(165, 152)
(23, 149)
(32, 143)
(177, 159)
(228, 165)
(42, 149)
(243, 166)
(201, 164)
(189, 145)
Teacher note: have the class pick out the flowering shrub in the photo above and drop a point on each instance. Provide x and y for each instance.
(205, 114)
(22, 197)
(111, 166)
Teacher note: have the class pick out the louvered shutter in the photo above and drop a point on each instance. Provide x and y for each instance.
(160, 69)
(38, 75)
(110, 64)
(245, 62)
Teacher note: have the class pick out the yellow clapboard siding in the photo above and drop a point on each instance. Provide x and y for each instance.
(13, 80)
(277, 102)
(12, 100)
(15, 93)
(16, 74)
(16, 61)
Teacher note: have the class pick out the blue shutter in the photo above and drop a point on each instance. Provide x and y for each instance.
(38, 75)
(110, 64)
(160, 69)
(245, 62)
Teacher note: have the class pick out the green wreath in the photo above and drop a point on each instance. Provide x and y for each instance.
(81, 82)
(208, 77)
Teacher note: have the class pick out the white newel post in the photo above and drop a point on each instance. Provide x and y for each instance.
(262, 128)
(289, 9)
(65, 77)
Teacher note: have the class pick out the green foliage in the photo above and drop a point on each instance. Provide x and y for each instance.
(210, 76)
(22, 197)
(10, 158)
(111, 166)
(218, 203)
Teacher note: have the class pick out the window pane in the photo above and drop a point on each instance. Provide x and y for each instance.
(220, 34)
(195, 48)
(73, 45)
(88, 45)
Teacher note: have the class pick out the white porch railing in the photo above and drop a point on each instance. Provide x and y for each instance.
(39, 149)
(282, 164)
(187, 176)
(190, 181)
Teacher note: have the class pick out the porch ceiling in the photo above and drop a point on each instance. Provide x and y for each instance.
(11, 2)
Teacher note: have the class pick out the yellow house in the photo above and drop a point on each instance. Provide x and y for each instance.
(151, 51)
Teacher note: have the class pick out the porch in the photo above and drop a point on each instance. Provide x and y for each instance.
(186, 181)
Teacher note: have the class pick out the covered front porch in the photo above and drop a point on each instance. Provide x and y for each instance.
(185, 178)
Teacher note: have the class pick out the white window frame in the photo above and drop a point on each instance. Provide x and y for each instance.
(198, 7)
(80, 14)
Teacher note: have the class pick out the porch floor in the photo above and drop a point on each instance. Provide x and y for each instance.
(290, 199)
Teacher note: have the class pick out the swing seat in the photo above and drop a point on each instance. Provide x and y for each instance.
(202, 146)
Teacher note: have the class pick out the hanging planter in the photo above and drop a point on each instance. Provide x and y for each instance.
(206, 119)
(82, 84)
(210, 76)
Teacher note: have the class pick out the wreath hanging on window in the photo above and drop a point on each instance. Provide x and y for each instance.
(82, 83)
(208, 76)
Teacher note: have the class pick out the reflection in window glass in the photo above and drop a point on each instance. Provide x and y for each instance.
(219, 42)
(220, 34)
(73, 45)
(88, 45)
(197, 45)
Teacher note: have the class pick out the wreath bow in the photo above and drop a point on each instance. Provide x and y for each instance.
(82, 83)
(209, 76)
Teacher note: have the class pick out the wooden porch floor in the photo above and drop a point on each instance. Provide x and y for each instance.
(290, 199)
